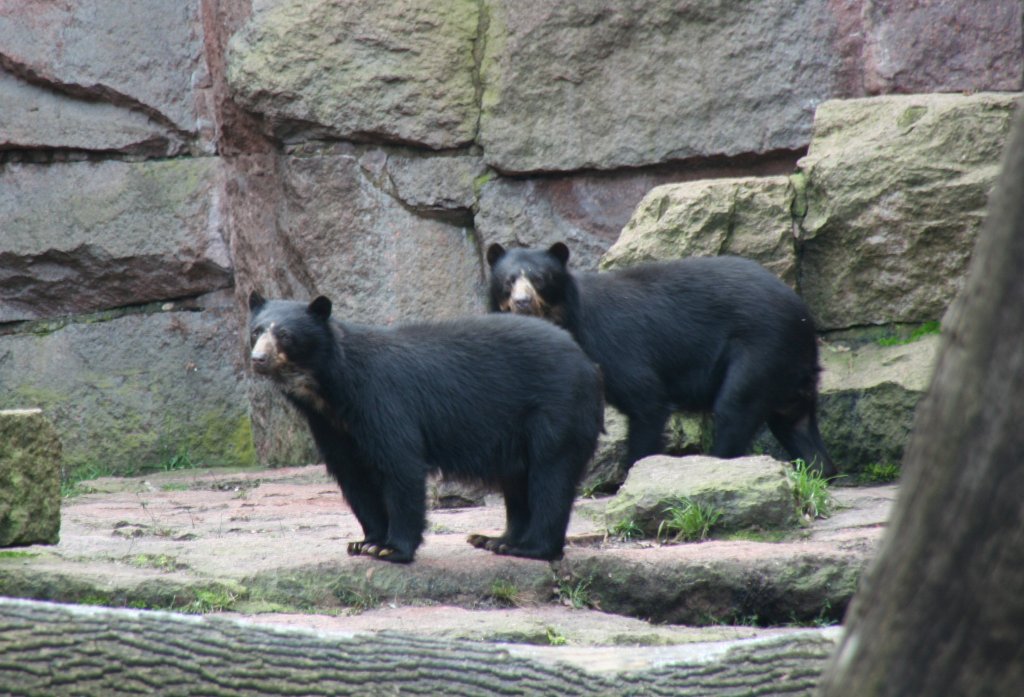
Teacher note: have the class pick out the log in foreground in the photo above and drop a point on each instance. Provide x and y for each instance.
(50, 649)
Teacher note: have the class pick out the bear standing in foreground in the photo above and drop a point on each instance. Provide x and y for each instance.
(512, 402)
(718, 334)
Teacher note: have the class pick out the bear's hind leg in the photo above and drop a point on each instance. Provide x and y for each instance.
(802, 440)
(517, 518)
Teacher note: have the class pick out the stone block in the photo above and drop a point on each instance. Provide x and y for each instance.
(895, 194)
(85, 236)
(138, 62)
(30, 471)
(590, 84)
(748, 217)
(748, 491)
(130, 391)
(397, 71)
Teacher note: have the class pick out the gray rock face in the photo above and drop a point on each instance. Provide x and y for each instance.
(116, 233)
(34, 117)
(749, 491)
(585, 211)
(137, 390)
(896, 189)
(942, 46)
(375, 259)
(145, 57)
(868, 399)
(581, 84)
(748, 217)
(30, 459)
(398, 71)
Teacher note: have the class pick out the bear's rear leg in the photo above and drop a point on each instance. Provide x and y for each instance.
(801, 439)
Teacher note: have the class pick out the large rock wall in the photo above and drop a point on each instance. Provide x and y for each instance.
(155, 154)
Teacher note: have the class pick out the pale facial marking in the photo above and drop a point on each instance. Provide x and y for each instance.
(523, 298)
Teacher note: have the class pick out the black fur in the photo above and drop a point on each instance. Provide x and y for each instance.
(512, 402)
(718, 334)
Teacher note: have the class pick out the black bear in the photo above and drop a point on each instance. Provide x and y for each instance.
(718, 334)
(515, 404)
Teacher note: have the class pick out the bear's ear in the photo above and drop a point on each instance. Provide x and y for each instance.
(256, 301)
(559, 251)
(494, 254)
(320, 307)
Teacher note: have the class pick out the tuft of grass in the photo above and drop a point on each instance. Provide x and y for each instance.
(82, 473)
(626, 529)
(17, 554)
(504, 592)
(687, 521)
(810, 489)
(880, 473)
(211, 600)
(555, 637)
(180, 461)
(575, 595)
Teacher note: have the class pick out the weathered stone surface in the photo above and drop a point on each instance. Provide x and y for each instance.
(37, 118)
(748, 217)
(144, 56)
(275, 540)
(868, 399)
(943, 46)
(376, 260)
(582, 84)
(749, 491)
(896, 189)
(684, 435)
(586, 212)
(138, 390)
(441, 183)
(399, 71)
(30, 459)
(740, 583)
(84, 236)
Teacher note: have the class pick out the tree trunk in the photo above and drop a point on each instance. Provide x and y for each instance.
(941, 612)
(51, 650)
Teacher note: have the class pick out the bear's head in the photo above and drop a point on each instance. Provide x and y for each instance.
(529, 281)
(290, 341)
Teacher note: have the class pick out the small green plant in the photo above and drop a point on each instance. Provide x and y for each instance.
(879, 472)
(810, 489)
(687, 521)
(575, 595)
(555, 637)
(82, 473)
(181, 461)
(358, 599)
(924, 330)
(174, 486)
(16, 554)
(163, 562)
(626, 529)
(504, 592)
(211, 600)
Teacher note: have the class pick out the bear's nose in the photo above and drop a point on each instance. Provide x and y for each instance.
(521, 304)
(259, 359)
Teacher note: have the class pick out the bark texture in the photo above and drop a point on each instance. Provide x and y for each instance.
(941, 612)
(48, 649)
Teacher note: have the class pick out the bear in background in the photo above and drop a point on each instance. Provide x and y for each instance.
(509, 401)
(718, 334)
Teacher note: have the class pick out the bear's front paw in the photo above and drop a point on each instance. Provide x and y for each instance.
(498, 545)
(378, 551)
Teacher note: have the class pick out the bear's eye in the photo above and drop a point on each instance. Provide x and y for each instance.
(254, 337)
(282, 335)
